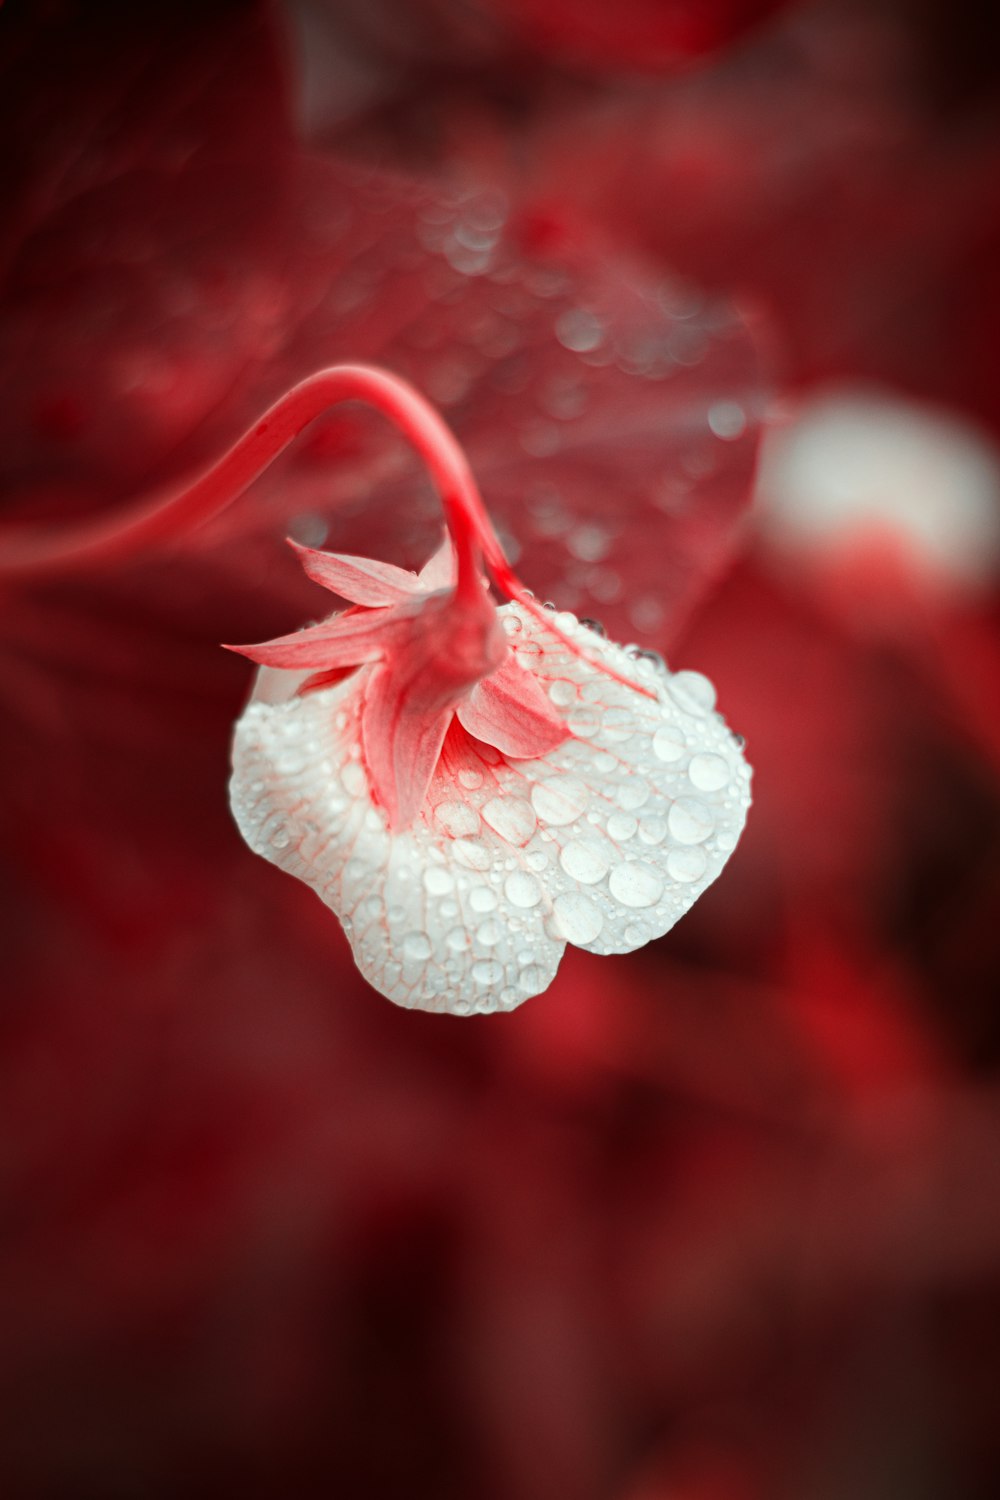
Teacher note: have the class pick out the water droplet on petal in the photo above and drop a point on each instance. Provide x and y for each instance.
(618, 724)
(709, 773)
(653, 830)
(690, 821)
(416, 946)
(693, 688)
(438, 881)
(560, 800)
(562, 693)
(636, 884)
(483, 898)
(457, 819)
(685, 865)
(669, 744)
(354, 779)
(522, 890)
(577, 918)
(584, 860)
(487, 971)
(632, 794)
(512, 818)
(584, 722)
(621, 826)
(471, 854)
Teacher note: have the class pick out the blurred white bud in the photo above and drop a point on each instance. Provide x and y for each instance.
(859, 468)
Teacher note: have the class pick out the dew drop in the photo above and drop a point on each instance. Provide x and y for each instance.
(354, 780)
(727, 420)
(483, 898)
(584, 860)
(632, 794)
(709, 773)
(579, 330)
(685, 865)
(456, 819)
(621, 826)
(457, 940)
(589, 543)
(471, 854)
(690, 821)
(693, 688)
(416, 946)
(669, 744)
(522, 890)
(489, 933)
(562, 693)
(560, 800)
(470, 779)
(636, 884)
(619, 725)
(512, 818)
(438, 881)
(290, 764)
(487, 971)
(577, 919)
(584, 722)
(653, 830)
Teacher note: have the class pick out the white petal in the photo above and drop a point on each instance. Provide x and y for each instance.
(604, 843)
(639, 812)
(445, 916)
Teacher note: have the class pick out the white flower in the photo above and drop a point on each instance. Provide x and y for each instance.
(470, 787)
(604, 841)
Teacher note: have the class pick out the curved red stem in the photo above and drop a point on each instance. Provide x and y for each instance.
(150, 521)
(46, 552)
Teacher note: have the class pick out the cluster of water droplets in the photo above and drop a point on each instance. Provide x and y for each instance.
(562, 379)
(604, 843)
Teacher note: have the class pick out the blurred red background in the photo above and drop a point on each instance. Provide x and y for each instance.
(716, 1221)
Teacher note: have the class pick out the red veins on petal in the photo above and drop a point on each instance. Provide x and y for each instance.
(349, 640)
(362, 580)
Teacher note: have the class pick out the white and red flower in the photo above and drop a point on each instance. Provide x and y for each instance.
(472, 787)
